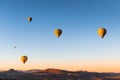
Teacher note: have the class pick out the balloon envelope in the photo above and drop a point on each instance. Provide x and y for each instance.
(58, 32)
(102, 32)
(24, 59)
(14, 46)
(29, 19)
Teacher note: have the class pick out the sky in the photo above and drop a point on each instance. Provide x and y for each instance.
(78, 48)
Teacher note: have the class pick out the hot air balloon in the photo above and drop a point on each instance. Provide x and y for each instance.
(58, 32)
(102, 32)
(15, 47)
(24, 59)
(29, 19)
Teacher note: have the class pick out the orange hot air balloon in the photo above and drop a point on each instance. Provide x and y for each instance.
(58, 32)
(24, 59)
(102, 32)
(29, 19)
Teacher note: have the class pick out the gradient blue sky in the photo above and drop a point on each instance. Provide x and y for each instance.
(78, 48)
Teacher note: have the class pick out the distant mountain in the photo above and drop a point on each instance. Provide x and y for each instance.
(49, 70)
(32, 71)
(55, 71)
(56, 74)
(11, 72)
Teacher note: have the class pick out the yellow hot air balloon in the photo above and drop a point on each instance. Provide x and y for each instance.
(102, 32)
(24, 59)
(58, 32)
(29, 19)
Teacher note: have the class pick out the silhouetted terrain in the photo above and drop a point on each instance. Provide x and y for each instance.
(56, 74)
